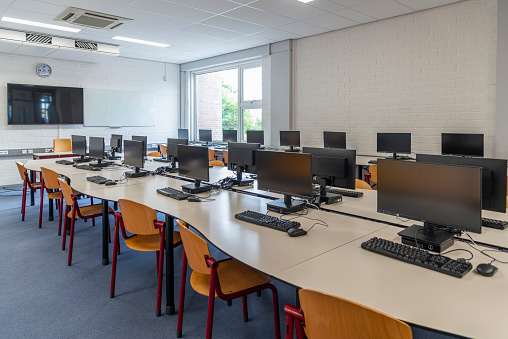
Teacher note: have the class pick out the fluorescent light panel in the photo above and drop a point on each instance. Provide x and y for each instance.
(40, 24)
(137, 41)
(305, 1)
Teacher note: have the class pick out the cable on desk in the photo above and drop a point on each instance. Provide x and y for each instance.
(460, 249)
(483, 251)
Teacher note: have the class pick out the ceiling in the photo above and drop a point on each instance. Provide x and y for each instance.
(198, 29)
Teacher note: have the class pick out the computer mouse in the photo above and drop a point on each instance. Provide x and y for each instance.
(486, 270)
(296, 232)
(193, 198)
(109, 183)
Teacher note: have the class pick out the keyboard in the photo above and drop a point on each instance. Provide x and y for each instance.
(372, 161)
(346, 193)
(221, 146)
(161, 160)
(88, 168)
(172, 193)
(64, 162)
(439, 263)
(494, 223)
(267, 220)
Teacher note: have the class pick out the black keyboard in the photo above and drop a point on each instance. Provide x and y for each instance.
(64, 162)
(372, 161)
(494, 223)
(97, 179)
(88, 167)
(267, 220)
(161, 160)
(456, 268)
(172, 193)
(346, 193)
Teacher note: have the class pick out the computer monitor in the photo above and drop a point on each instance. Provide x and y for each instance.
(134, 155)
(285, 173)
(256, 137)
(115, 143)
(444, 197)
(394, 143)
(493, 177)
(291, 139)
(79, 145)
(332, 167)
(230, 135)
(172, 146)
(96, 150)
(205, 135)
(143, 139)
(334, 139)
(462, 144)
(183, 133)
(242, 158)
(193, 163)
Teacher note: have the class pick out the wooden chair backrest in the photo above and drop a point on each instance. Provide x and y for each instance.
(138, 218)
(164, 149)
(225, 155)
(66, 191)
(62, 145)
(21, 169)
(373, 172)
(362, 184)
(328, 316)
(211, 154)
(196, 249)
(50, 178)
(154, 154)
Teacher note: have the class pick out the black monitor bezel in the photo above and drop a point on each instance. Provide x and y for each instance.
(144, 139)
(403, 150)
(445, 147)
(292, 135)
(132, 154)
(330, 139)
(202, 138)
(96, 148)
(350, 156)
(258, 136)
(230, 137)
(187, 167)
(78, 148)
(170, 142)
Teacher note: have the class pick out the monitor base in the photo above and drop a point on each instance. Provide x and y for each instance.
(437, 242)
(79, 160)
(279, 206)
(193, 189)
(243, 182)
(134, 174)
(330, 198)
(292, 150)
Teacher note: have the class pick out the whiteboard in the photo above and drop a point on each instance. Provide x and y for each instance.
(118, 108)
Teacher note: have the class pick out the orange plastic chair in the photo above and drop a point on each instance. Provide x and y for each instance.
(62, 145)
(148, 236)
(153, 154)
(50, 183)
(211, 155)
(225, 157)
(163, 149)
(326, 316)
(26, 185)
(371, 176)
(86, 212)
(362, 184)
(227, 279)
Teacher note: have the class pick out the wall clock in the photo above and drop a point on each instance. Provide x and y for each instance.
(44, 70)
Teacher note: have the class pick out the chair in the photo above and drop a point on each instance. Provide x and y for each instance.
(62, 145)
(163, 149)
(86, 212)
(148, 236)
(362, 184)
(50, 183)
(327, 316)
(227, 279)
(211, 155)
(26, 185)
(371, 176)
(154, 154)
(225, 157)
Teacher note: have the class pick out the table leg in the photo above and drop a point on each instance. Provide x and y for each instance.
(105, 230)
(360, 171)
(32, 192)
(297, 297)
(170, 266)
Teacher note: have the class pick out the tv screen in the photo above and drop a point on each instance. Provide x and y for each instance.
(46, 105)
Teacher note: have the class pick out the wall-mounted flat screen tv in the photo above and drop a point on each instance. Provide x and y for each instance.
(44, 105)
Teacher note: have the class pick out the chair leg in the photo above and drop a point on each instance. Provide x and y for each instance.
(276, 318)
(23, 201)
(245, 310)
(116, 247)
(91, 203)
(299, 330)
(157, 257)
(211, 304)
(64, 236)
(289, 327)
(160, 269)
(182, 295)
(42, 203)
(71, 238)
(60, 209)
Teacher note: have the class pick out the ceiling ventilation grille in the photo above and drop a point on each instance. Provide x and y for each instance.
(91, 46)
(92, 19)
(42, 39)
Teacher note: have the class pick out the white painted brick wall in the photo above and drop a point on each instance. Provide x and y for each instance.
(117, 74)
(426, 73)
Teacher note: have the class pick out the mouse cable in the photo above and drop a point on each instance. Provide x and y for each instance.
(460, 249)
(487, 250)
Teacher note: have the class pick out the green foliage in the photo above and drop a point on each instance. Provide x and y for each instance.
(252, 117)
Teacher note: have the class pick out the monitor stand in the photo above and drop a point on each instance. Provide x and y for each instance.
(285, 205)
(196, 187)
(292, 149)
(427, 237)
(173, 168)
(81, 159)
(113, 156)
(327, 197)
(239, 181)
(99, 163)
(136, 174)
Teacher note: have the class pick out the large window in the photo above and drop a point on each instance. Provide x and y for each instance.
(229, 99)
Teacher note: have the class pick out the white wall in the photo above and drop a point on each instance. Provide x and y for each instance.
(426, 73)
(116, 73)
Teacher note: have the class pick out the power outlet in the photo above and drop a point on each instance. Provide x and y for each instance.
(30, 151)
(48, 150)
(4, 152)
(154, 145)
(24, 151)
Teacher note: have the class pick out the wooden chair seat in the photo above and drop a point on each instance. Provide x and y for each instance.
(233, 277)
(55, 195)
(154, 154)
(149, 243)
(89, 211)
(36, 184)
(362, 184)
(217, 163)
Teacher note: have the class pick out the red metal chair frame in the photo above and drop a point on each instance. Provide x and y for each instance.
(27, 185)
(58, 205)
(294, 313)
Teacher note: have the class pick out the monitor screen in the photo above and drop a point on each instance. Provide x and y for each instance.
(79, 144)
(205, 135)
(333, 166)
(143, 139)
(256, 137)
(493, 177)
(462, 144)
(115, 143)
(134, 153)
(183, 133)
(334, 139)
(172, 145)
(442, 195)
(229, 135)
(193, 162)
(394, 142)
(290, 138)
(96, 150)
(285, 173)
(243, 155)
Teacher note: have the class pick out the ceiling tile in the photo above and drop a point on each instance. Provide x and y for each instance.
(233, 24)
(331, 21)
(244, 2)
(172, 10)
(8, 46)
(212, 31)
(258, 16)
(198, 38)
(382, 9)
(141, 30)
(92, 5)
(277, 35)
(289, 8)
(355, 16)
(418, 5)
(67, 53)
(351, 3)
(152, 18)
(214, 6)
(35, 50)
(302, 28)
(326, 5)
(37, 6)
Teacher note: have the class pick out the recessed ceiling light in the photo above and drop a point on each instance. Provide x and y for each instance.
(40, 24)
(137, 41)
(305, 1)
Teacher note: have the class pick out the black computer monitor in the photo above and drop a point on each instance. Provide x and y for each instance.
(285, 173)
(493, 177)
(134, 155)
(332, 167)
(115, 143)
(394, 143)
(183, 133)
(79, 145)
(242, 158)
(143, 139)
(462, 144)
(230, 135)
(256, 137)
(334, 139)
(444, 197)
(205, 135)
(172, 146)
(96, 150)
(193, 163)
(291, 139)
